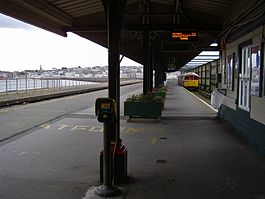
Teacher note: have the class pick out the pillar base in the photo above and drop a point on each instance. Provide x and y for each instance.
(93, 194)
(107, 191)
(119, 172)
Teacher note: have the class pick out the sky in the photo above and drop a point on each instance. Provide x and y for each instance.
(26, 47)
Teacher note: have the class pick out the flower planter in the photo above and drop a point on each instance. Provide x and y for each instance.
(142, 109)
(160, 94)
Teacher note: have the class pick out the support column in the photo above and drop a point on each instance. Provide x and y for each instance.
(160, 70)
(110, 130)
(156, 67)
(145, 52)
(114, 29)
(150, 69)
(164, 75)
(119, 165)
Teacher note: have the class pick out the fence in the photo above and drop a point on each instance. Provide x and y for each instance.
(31, 84)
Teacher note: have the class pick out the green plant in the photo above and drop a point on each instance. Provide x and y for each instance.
(150, 97)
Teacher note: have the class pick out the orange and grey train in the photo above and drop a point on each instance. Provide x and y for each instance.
(189, 80)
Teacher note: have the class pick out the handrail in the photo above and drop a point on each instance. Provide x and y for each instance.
(222, 90)
(25, 84)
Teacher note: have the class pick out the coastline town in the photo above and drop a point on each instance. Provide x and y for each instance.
(75, 72)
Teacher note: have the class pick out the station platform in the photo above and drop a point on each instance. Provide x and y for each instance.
(189, 154)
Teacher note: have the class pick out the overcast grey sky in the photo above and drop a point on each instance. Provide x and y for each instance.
(23, 47)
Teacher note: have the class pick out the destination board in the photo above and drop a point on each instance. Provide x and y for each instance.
(184, 36)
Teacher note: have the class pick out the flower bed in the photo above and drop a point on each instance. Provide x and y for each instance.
(142, 109)
(149, 105)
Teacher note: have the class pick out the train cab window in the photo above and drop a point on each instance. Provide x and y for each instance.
(187, 78)
(195, 78)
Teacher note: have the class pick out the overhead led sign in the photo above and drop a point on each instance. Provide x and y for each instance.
(184, 36)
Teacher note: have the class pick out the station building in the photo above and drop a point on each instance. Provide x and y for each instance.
(238, 77)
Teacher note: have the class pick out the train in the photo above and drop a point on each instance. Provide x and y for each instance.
(189, 80)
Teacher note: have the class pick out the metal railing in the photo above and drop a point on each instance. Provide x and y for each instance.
(16, 85)
(32, 84)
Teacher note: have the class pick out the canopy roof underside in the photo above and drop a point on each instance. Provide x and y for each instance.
(210, 19)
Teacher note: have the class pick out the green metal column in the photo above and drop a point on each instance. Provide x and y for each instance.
(164, 75)
(156, 68)
(114, 28)
(159, 71)
(114, 13)
(150, 69)
(145, 53)
(113, 10)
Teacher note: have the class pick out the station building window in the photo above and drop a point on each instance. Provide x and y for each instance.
(244, 79)
(230, 72)
(224, 80)
(249, 76)
(255, 70)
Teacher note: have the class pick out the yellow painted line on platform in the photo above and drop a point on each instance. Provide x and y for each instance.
(153, 140)
(62, 126)
(46, 126)
(97, 129)
(79, 127)
(135, 130)
(6, 110)
(23, 106)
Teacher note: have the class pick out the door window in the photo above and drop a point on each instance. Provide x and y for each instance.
(255, 71)
(244, 79)
(230, 73)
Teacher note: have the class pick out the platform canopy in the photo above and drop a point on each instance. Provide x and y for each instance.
(184, 28)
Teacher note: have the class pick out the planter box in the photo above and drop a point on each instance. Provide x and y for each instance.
(160, 94)
(142, 109)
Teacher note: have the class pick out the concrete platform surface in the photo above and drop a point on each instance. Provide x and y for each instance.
(179, 157)
(183, 103)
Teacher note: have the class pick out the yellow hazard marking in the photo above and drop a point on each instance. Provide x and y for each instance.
(134, 130)
(96, 129)
(79, 127)
(6, 110)
(24, 106)
(153, 140)
(99, 129)
(156, 130)
(62, 126)
(122, 129)
(46, 126)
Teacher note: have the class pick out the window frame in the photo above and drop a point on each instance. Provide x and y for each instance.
(230, 83)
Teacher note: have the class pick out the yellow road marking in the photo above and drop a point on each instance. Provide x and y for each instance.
(96, 129)
(62, 126)
(23, 106)
(135, 130)
(100, 129)
(46, 126)
(79, 128)
(153, 140)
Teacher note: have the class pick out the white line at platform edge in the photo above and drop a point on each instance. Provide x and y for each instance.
(203, 101)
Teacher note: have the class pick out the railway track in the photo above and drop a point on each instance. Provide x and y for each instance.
(205, 96)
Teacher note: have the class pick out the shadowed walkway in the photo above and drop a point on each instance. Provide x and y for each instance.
(194, 155)
(189, 154)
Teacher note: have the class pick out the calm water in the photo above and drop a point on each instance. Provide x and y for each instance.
(30, 84)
